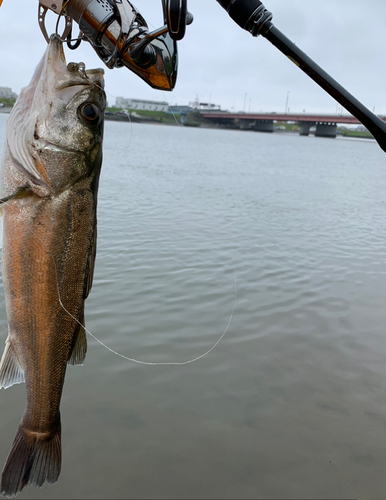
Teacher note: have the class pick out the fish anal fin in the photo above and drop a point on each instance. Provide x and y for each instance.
(79, 350)
(10, 370)
(34, 459)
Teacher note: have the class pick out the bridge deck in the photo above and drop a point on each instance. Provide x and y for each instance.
(303, 117)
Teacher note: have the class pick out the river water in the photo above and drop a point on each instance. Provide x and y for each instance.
(280, 235)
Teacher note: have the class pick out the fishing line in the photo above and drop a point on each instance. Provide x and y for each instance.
(174, 116)
(60, 16)
(127, 358)
(127, 115)
(176, 363)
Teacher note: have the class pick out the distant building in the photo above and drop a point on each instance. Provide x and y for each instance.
(141, 104)
(180, 110)
(204, 106)
(6, 93)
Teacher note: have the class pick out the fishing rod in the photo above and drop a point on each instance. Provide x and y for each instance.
(121, 37)
(252, 16)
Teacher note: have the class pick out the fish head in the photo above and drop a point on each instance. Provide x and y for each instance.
(55, 130)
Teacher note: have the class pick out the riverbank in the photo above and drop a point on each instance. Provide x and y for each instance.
(194, 119)
(140, 116)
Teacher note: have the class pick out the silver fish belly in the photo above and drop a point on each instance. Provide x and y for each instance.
(50, 174)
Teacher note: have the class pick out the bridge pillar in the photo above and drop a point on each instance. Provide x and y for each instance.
(305, 127)
(183, 118)
(245, 124)
(324, 129)
(263, 126)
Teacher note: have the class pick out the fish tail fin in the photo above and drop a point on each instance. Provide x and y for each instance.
(34, 458)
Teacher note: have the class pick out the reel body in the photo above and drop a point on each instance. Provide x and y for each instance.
(121, 37)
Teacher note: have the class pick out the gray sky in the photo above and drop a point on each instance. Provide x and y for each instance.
(222, 63)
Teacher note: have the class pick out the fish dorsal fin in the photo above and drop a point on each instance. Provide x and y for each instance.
(79, 350)
(10, 370)
(90, 266)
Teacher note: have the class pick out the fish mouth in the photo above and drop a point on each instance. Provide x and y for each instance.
(50, 146)
(73, 83)
(76, 75)
(71, 74)
(49, 93)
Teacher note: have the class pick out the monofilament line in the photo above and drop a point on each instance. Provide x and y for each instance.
(128, 116)
(175, 363)
(178, 123)
(127, 358)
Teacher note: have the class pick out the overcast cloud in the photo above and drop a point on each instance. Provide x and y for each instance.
(220, 62)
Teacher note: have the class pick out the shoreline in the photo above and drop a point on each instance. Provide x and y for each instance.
(172, 120)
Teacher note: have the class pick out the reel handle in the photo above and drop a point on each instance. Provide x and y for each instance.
(176, 17)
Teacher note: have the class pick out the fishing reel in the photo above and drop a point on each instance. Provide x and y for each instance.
(121, 37)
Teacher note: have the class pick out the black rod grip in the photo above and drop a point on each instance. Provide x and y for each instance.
(242, 11)
(225, 3)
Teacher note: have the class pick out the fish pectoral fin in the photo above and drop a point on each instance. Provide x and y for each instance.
(79, 350)
(21, 192)
(10, 370)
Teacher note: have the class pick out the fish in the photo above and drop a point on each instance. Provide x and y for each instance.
(49, 183)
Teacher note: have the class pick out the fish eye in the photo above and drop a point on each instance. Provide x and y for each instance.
(89, 113)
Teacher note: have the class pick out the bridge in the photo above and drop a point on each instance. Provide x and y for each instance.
(326, 125)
